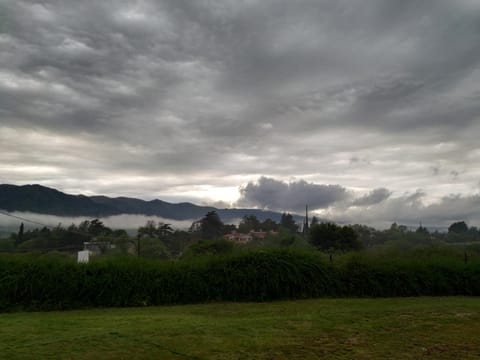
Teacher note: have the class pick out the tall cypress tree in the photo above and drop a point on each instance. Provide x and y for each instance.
(20, 235)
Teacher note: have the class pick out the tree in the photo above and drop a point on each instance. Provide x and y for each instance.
(123, 243)
(152, 248)
(94, 228)
(153, 230)
(349, 239)
(83, 226)
(179, 241)
(458, 227)
(164, 230)
(229, 228)
(118, 233)
(314, 221)
(210, 247)
(422, 230)
(211, 226)
(368, 236)
(196, 227)
(19, 239)
(97, 228)
(269, 225)
(398, 228)
(331, 237)
(288, 222)
(151, 233)
(249, 223)
(57, 238)
(325, 236)
(148, 230)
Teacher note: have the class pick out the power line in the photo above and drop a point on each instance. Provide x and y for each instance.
(24, 219)
(42, 224)
(69, 247)
(22, 250)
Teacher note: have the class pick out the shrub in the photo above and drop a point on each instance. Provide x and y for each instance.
(54, 282)
(210, 247)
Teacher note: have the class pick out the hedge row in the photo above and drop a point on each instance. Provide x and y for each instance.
(45, 284)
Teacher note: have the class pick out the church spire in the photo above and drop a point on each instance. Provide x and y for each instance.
(305, 223)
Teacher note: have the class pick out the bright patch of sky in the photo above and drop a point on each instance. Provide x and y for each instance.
(248, 103)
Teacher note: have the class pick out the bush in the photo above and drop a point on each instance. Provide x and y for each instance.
(7, 244)
(45, 282)
(210, 247)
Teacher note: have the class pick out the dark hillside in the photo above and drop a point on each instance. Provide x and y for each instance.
(43, 200)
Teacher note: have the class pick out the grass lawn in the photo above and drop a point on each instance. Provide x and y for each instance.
(400, 328)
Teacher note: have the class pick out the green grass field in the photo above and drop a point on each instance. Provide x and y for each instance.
(400, 328)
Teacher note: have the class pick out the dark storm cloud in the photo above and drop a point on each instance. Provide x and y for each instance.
(171, 92)
(273, 194)
(374, 197)
(87, 63)
(83, 66)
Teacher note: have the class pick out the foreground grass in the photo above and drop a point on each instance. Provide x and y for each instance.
(400, 328)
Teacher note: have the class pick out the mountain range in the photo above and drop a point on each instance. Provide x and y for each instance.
(44, 200)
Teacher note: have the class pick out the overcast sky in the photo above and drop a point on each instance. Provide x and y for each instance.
(368, 110)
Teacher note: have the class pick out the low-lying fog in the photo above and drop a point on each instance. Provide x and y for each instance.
(127, 222)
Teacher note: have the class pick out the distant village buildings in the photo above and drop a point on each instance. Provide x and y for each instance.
(245, 238)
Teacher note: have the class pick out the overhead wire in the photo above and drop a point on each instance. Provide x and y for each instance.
(25, 219)
(46, 226)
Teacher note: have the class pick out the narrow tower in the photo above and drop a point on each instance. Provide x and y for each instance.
(305, 223)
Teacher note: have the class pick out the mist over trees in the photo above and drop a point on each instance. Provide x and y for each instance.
(210, 235)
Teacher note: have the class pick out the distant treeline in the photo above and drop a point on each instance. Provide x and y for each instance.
(207, 236)
(155, 240)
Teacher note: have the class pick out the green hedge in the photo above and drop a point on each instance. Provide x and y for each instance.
(38, 283)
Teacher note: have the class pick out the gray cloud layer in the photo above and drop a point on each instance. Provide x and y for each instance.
(377, 207)
(189, 99)
(411, 210)
(374, 197)
(273, 194)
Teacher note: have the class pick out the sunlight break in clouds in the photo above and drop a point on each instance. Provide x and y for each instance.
(192, 101)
